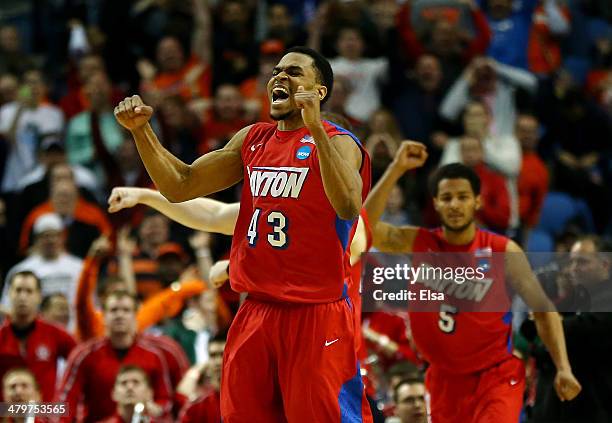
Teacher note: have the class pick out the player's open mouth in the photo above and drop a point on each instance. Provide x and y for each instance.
(279, 95)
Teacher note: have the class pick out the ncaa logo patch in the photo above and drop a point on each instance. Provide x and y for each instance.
(303, 152)
(42, 353)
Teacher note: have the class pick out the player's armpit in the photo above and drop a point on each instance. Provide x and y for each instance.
(394, 239)
(340, 161)
(214, 171)
(348, 149)
(523, 280)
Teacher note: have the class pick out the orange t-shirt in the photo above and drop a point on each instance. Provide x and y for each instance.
(163, 305)
(174, 82)
(84, 212)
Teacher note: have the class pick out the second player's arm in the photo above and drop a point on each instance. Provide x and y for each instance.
(548, 321)
(203, 214)
(389, 238)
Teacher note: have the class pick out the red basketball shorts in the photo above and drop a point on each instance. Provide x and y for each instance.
(494, 395)
(292, 363)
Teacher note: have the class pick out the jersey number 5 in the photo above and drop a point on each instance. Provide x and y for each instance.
(278, 237)
(446, 323)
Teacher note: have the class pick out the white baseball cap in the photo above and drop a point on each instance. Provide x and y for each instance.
(48, 222)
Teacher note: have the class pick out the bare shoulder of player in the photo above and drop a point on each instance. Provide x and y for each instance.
(394, 239)
(235, 143)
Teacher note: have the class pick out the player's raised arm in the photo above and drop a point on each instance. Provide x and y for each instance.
(202, 214)
(339, 159)
(178, 181)
(390, 238)
(548, 321)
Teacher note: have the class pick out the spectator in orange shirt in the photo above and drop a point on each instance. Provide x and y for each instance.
(226, 118)
(494, 211)
(166, 304)
(139, 260)
(533, 178)
(84, 221)
(190, 77)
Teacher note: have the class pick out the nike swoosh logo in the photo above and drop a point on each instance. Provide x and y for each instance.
(328, 343)
(513, 382)
(253, 147)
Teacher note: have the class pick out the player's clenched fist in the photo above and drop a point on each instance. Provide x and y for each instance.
(309, 102)
(132, 113)
(566, 385)
(410, 155)
(123, 198)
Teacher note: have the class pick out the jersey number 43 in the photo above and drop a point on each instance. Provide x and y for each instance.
(278, 223)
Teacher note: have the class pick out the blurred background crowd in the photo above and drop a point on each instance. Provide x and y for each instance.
(520, 90)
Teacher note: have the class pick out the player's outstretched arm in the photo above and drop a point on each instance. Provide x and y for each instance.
(178, 181)
(548, 321)
(390, 238)
(339, 158)
(202, 214)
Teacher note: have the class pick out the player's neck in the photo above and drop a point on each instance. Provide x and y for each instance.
(122, 340)
(462, 237)
(22, 321)
(291, 123)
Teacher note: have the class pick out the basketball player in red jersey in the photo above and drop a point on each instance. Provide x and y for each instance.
(290, 352)
(473, 376)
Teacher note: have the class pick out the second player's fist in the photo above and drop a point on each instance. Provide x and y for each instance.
(132, 113)
(410, 155)
(566, 385)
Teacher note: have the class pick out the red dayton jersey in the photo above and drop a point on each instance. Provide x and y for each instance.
(43, 346)
(289, 244)
(93, 367)
(205, 409)
(466, 342)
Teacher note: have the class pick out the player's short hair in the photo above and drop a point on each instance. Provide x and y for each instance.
(22, 370)
(323, 70)
(417, 379)
(454, 171)
(107, 285)
(26, 274)
(46, 301)
(133, 368)
(120, 293)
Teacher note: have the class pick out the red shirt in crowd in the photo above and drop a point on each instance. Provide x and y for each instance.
(177, 361)
(495, 211)
(39, 352)
(91, 371)
(532, 187)
(203, 410)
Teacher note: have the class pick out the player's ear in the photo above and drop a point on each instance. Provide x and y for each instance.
(322, 90)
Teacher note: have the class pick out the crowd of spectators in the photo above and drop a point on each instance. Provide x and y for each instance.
(519, 90)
